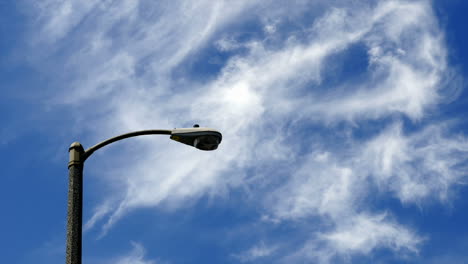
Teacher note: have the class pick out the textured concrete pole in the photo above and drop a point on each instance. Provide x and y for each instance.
(75, 204)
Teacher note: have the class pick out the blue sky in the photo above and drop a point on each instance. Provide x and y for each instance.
(344, 130)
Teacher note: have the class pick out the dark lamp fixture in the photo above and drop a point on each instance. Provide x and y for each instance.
(200, 137)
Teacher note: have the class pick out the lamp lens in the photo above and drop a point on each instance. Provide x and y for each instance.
(206, 142)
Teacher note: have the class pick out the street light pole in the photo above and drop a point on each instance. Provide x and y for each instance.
(75, 203)
(201, 138)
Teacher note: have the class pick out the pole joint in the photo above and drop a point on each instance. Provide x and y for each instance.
(77, 152)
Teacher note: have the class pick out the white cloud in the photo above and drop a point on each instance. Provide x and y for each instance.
(361, 235)
(128, 68)
(67, 14)
(424, 164)
(260, 250)
(335, 186)
(319, 187)
(403, 77)
(365, 233)
(136, 256)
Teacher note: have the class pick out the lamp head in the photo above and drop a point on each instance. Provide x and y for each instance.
(200, 137)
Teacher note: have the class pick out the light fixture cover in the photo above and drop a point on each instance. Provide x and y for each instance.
(202, 138)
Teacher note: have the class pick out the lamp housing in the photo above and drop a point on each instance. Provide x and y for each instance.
(202, 138)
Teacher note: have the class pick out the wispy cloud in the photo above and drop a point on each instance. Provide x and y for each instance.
(362, 235)
(425, 164)
(255, 252)
(133, 65)
(335, 186)
(135, 256)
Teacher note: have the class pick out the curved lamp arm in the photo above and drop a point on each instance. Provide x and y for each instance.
(106, 142)
(78, 155)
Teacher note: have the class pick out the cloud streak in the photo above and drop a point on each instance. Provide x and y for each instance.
(278, 103)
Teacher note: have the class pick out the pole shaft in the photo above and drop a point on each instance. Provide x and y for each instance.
(75, 207)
